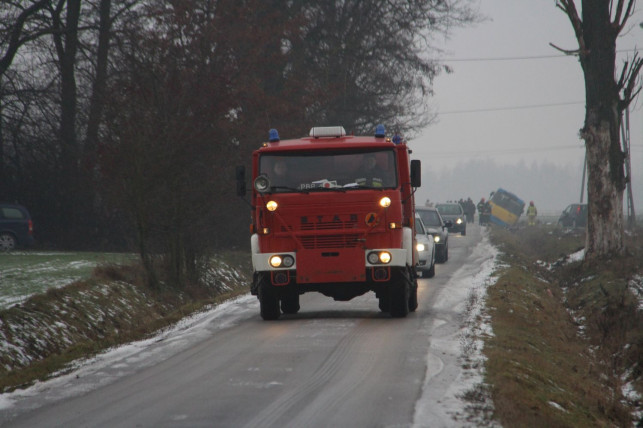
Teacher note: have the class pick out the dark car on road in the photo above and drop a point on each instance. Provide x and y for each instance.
(454, 213)
(437, 227)
(575, 215)
(16, 227)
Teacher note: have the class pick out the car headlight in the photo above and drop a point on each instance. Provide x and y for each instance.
(420, 247)
(436, 238)
(459, 221)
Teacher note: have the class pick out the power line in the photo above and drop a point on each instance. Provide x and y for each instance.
(511, 108)
(523, 58)
(511, 151)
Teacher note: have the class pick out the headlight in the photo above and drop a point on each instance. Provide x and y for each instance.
(288, 261)
(436, 238)
(275, 261)
(459, 221)
(278, 260)
(271, 205)
(381, 257)
(420, 247)
(385, 202)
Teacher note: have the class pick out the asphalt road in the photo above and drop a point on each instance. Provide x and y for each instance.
(334, 364)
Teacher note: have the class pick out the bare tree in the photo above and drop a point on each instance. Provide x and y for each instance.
(16, 19)
(596, 30)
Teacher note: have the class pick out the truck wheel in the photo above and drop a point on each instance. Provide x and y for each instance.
(290, 302)
(268, 301)
(413, 297)
(400, 294)
(384, 303)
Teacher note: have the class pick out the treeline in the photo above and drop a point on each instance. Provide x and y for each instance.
(121, 121)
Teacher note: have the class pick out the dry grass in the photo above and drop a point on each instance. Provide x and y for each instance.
(564, 335)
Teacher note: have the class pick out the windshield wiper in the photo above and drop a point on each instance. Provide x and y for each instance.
(329, 189)
(361, 186)
(291, 189)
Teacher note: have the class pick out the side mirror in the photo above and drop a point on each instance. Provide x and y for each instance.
(241, 180)
(416, 173)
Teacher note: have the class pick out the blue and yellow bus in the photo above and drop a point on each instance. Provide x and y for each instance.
(506, 208)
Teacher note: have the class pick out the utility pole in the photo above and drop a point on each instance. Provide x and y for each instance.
(582, 183)
(625, 136)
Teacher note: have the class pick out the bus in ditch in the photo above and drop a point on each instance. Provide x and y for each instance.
(506, 208)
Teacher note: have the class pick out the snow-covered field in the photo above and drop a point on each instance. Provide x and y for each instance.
(23, 273)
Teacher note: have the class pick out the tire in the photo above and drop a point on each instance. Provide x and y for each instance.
(268, 301)
(290, 302)
(400, 293)
(413, 297)
(440, 256)
(446, 253)
(8, 242)
(431, 272)
(384, 303)
(464, 232)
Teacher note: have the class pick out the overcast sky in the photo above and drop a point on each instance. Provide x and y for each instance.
(513, 98)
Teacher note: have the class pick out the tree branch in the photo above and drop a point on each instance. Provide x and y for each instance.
(569, 7)
(14, 40)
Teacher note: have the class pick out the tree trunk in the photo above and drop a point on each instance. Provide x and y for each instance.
(604, 194)
(605, 160)
(100, 81)
(596, 32)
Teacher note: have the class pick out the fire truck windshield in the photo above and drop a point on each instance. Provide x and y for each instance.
(319, 171)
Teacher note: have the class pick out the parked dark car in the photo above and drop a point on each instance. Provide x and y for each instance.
(16, 227)
(437, 227)
(575, 215)
(455, 214)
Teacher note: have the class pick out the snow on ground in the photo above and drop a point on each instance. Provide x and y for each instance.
(459, 352)
(454, 365)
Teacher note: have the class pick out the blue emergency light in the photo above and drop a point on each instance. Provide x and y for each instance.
(380, 131)
(273, 135)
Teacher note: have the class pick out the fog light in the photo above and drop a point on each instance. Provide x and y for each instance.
(288, 261)
(275, 261)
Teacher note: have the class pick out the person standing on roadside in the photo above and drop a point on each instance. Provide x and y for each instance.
(532, 212)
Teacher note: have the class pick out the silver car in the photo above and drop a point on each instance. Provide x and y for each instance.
(426, 250)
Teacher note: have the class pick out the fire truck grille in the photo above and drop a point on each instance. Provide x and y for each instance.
(330, 225)
(330, 241)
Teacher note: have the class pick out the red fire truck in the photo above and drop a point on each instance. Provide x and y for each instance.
(333, 213)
